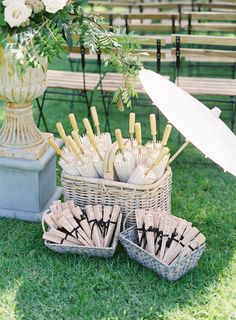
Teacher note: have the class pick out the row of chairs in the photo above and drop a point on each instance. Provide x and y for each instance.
(172, 22)
(171, 1)
(178, 6)
(84, 84)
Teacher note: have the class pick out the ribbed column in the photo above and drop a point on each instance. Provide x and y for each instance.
(19, 136)
(19, 129)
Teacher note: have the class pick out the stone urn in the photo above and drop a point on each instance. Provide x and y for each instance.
(19, 136)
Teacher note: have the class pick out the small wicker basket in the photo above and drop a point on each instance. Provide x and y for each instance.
(129, 240)
(130, 197)
(102, 252)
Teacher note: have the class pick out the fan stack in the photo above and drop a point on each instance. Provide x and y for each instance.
(96, 227)
(168, 245)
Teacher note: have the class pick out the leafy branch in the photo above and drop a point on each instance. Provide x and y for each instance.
(46, 34)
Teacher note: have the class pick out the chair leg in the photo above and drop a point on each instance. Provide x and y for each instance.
(88, 103)
(158, 120)
(189, 68)
(233, 112)
(41, 114)
(107, 108)
(72, 102)
(234, 69)
(71, 65)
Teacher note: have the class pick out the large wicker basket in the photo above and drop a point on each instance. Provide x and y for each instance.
(130, 197)
(129, 240)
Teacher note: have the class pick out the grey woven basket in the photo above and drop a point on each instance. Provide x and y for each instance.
(129, 240)
(107, 252)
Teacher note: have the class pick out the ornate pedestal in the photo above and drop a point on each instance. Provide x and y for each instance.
(27, 165)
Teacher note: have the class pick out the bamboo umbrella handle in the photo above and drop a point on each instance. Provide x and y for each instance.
(153, 128)
(160, 157)
(73, 122)
(131, 126)
(120, 142)
(87, 125)
(77, 139)
(56, 148)
(166, 135)
(138, 133)
(95, 119)
(61, 131)
(74, 147)
(94, 143)
(131, 122)
(179, 151)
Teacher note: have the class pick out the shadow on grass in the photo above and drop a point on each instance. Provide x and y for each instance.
(52, 286)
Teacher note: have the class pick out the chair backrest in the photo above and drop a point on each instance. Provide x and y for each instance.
(210, 21)
(219, 6)
(218, 1)
(129, 7)
(211, 46)
(137, 21)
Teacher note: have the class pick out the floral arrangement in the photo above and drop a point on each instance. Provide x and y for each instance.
(35, 28)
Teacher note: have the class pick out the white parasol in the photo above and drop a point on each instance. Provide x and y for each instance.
(199, 125)
(139, 151)
(125, 161)
(160, 168)
(144, 174)
(83, 164)
(98, 153)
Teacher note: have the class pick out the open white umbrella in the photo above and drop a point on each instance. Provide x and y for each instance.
(198, 124)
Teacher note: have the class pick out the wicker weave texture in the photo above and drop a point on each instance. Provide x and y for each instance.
(129, 240)
(107, 252)
(85, 191)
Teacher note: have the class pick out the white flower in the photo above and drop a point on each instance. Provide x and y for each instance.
(52, 6)
(10, 2)
(16, 14)
(36, 5)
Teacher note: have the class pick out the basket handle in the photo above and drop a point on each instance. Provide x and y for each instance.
(43, 219)
(109, 159)
(108, 165)
(125, 221)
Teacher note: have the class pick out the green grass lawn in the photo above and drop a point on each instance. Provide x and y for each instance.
(36, 283)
